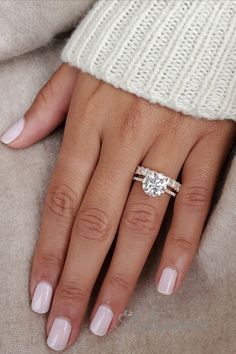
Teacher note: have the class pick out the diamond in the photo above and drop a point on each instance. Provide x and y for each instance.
(154, 184)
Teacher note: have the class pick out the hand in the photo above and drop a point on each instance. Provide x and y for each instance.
(91, 196)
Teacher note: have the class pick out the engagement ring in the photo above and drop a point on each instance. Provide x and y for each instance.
(155, 183)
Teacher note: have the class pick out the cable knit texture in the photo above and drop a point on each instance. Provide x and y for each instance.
(178, 53)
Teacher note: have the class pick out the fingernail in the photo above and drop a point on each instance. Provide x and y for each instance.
(167, 281)
(42, 297)
(59, 334)
(13, 132)
(101, 321)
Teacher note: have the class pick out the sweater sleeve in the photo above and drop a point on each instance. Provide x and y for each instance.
(180, 54)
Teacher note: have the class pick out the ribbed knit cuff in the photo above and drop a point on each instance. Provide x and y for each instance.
(178, 53)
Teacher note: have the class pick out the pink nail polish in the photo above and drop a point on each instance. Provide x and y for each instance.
(13, 132)
(167, 281)
(59, 334)
(42, 297)
(101, 321)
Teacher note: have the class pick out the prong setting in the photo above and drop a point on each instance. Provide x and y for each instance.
(154, 183)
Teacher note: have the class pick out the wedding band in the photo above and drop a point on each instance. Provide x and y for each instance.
(155, 183)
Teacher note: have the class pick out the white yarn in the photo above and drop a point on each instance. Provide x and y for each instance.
(178, 53)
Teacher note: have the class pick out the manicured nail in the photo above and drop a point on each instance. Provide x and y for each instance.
(42, 297)
(167, 281)
(101, 321)
(59, 334)
(13, 132)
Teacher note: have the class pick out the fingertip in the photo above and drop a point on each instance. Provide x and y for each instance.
(46, 113)
(167, 281)
(12, 133)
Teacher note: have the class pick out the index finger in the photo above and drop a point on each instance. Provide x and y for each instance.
(66, 188)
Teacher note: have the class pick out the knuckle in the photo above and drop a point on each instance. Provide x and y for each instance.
(119, 281)
(61, 200)
(220, 129)
(49, 261)
(132, 123)
(171, 123)
(92, 108)
(93, 224)
(141, 218)
(194, 197)
(46, 93)
(183, 242)
(69, 291)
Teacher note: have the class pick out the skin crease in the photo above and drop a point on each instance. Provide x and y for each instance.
(109, 132)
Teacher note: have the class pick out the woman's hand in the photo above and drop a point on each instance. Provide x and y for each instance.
(91, 196)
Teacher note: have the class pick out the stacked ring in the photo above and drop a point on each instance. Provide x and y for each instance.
(155, 183)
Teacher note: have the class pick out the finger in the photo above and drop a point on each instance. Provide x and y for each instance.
(77, 160)
(191, 208)
(47, 111)
(139, 227)
(93, 232)
(99, 214)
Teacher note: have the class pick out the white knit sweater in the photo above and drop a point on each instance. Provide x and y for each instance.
(178, 53)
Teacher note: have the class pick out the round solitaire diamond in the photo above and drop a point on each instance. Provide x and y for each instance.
(154, 184)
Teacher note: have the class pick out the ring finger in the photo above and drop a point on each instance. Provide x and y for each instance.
(139, 227)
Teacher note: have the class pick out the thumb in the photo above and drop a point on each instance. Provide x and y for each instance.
(47, 111)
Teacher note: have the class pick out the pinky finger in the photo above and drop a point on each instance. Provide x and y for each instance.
(47, 111)
(191, 208)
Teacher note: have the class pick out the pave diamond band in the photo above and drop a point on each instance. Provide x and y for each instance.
(155, 183)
